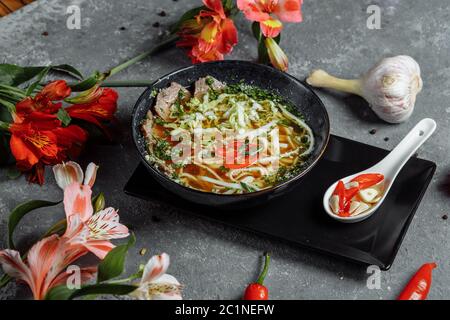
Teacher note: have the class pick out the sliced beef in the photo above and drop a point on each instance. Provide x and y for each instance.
(202, 86)
(167, 97)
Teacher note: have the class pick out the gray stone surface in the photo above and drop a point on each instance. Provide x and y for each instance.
(213, 261)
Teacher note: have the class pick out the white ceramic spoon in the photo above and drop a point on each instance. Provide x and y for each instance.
(390, 167)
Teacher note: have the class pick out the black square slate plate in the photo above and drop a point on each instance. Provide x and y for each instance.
(299, 218)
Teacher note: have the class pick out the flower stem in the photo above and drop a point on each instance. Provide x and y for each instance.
(130, 278)
(265, 270)
(171, 39)
(127, 83)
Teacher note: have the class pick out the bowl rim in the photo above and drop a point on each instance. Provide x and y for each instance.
(135, 130)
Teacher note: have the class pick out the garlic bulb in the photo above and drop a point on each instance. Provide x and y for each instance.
(390, 87)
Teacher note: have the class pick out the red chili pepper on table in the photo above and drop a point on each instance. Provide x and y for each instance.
(419, 285)
(257, 291)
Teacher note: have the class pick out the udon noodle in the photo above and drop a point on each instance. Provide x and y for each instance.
(226, 139)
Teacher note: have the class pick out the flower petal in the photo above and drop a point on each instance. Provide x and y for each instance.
(24, 155)
(14, 266)
(91, 174)
(56, 90)
(86, 274)
(77, 201)
(216, 6)
(155, 268)
(104, 225)
(271, 28)
(252, 10)
(67, 173)
(45, 261)
(289, 10)
(229, 37)
(99, 247)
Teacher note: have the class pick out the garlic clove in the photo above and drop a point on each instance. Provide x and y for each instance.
(361, 209)
(367, 195)
(354, 205)
(352, 184)
(376, 200)
(334, 204)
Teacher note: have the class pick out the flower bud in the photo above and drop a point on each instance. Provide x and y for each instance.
(276, 55)
(99, 203)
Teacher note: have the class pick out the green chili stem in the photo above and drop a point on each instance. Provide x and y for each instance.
(265, 270)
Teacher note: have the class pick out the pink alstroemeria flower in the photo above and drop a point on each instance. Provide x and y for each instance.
(84, 227)
(45, 265)
(155, 283)
(261, 10)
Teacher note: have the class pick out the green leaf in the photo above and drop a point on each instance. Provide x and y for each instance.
(11, 107)
(58, 228)
(14, 75)
(64, 117)
(263, 55)
(227, 5)
(103, 288)
(113, 264)
(20, 211)
(190, 14)
(256, 30)
(68, 69)
(61, 292)
(4, 280)
(87, 83)
(40, 76)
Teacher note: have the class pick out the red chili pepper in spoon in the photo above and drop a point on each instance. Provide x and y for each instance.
(257, 291)
(367, 180)
(419, 285)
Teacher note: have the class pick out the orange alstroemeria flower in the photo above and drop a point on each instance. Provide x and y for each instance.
(100, 108)
(35, 144)
(44, 100)
(210, 35)
(261, 10)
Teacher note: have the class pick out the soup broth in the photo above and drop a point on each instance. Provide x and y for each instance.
(226, 139)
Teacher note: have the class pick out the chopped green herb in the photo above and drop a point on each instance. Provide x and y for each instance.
(159, 121)
(162, 149)
(209, 81)
(154, 93)
(223, 169)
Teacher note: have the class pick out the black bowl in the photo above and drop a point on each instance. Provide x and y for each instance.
(300, 94)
